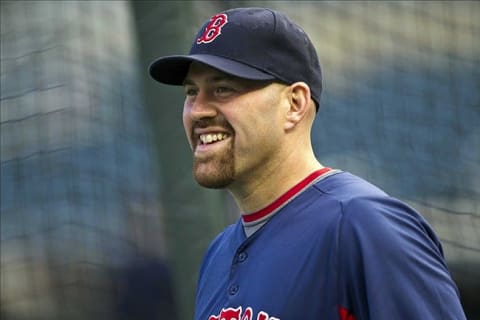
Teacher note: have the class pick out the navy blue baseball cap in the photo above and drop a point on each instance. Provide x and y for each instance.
(250, 43)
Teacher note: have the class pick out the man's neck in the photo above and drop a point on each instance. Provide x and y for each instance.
(265, 188)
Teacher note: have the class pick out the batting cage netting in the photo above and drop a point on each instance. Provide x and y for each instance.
(97, 197)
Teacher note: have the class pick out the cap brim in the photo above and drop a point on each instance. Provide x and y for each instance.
(173, 69)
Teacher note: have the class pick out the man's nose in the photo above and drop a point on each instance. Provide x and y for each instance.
(202, 107)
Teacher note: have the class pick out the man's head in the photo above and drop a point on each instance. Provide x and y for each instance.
(250, 43)
(252, 81)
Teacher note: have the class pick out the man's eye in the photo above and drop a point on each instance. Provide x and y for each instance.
(223, 90)
(190, 91)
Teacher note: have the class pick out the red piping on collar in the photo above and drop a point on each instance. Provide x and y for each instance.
(285, 197)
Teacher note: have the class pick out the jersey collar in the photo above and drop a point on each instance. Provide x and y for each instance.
(263, 214)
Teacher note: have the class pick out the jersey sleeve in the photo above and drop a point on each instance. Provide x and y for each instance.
(391, 264)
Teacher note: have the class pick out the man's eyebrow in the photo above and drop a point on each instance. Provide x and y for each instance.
(187, 81)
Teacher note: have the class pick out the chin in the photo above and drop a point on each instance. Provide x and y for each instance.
(214, 174)
(213, 182)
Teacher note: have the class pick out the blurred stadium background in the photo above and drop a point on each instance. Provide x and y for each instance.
(100, 218)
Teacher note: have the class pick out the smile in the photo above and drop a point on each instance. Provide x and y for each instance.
(208, 138)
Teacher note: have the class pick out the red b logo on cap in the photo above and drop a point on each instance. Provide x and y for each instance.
(214, 28)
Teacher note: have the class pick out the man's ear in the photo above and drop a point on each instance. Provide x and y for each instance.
(300, 103)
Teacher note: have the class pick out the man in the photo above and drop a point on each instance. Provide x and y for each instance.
(312, 242)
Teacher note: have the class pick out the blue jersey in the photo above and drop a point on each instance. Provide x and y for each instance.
(334, 247)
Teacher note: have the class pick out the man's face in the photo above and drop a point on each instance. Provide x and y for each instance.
(233, 126)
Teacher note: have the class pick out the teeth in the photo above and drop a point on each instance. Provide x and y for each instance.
(212, 137)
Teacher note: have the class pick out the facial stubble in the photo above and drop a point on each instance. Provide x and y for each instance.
(217, 171)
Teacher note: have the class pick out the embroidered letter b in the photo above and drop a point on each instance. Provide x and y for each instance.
(213, 29)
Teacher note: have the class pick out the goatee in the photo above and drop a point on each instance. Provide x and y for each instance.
(216, 172)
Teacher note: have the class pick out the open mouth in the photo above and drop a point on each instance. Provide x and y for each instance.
(210, 138)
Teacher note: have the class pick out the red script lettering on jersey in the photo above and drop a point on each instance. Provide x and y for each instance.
(236, 314)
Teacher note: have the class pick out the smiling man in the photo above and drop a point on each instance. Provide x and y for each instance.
(236, 128)
(312, 242)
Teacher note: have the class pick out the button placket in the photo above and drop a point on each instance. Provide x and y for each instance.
(233, 289)
(242, 256)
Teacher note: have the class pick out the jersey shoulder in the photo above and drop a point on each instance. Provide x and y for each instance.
(384, 245)
(366, 207)
(344, 186)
